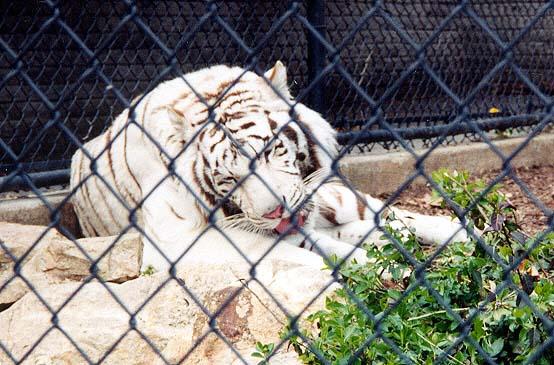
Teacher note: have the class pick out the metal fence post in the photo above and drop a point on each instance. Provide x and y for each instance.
(316, 52)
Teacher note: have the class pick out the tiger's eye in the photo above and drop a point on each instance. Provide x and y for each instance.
(301, 156)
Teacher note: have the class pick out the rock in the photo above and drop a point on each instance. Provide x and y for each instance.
(174, 314)
(55, 259)
(62, 260)
(15, 241)
(18, 238)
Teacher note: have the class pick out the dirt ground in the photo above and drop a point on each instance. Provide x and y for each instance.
(538, 180)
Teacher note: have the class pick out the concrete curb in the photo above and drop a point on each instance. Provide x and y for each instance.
(32, 210)
(377, 174)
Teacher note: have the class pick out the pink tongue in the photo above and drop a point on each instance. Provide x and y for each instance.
(286, 223)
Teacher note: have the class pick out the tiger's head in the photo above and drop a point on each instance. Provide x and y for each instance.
(261, 154)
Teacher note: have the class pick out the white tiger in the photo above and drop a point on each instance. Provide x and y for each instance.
(173, 161)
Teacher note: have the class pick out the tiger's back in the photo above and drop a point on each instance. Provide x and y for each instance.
(106, 189)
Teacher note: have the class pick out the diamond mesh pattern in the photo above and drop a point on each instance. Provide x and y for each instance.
(392, 73)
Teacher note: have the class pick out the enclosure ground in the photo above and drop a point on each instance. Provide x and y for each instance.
(538, 180)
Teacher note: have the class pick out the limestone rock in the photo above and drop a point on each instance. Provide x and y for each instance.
(61, 259)
(18, 238)
(170, 317)
(15, 241)
(172, 313)
(55, 259)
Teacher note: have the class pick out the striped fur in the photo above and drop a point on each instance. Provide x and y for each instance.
(186, 149)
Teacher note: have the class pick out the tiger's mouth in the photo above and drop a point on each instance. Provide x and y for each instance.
(290, 224)
(274, 223)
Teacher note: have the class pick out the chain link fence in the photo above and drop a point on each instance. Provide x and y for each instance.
(375, 53)
(397, 75)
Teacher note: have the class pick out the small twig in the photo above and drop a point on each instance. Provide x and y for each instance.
(437, 312)
(436, 347)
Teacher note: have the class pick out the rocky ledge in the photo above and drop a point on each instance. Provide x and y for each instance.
(122, 317)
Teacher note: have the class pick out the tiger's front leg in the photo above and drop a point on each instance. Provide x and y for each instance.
(325, 246)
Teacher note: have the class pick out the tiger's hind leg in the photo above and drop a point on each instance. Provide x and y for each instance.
(347, 218)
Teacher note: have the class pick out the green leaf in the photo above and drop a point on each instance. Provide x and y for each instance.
(497, 346)
(260, 346)
(478, 328)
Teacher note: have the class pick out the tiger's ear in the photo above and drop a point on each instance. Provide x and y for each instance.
(278, 78)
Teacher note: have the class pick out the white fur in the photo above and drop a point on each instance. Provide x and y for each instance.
(171, 216)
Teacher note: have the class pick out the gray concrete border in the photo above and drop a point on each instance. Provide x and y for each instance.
(32, 210)
(384, 173)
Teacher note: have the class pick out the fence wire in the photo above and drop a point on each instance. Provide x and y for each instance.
(384, 73)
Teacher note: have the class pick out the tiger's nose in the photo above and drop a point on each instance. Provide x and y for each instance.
(275, 213)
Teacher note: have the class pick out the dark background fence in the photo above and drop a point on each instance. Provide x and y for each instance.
(375, 53)
(383, 73)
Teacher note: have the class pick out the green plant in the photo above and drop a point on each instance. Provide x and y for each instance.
(149, 271)
(463, 276)
(263, 351)
(485, 209)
